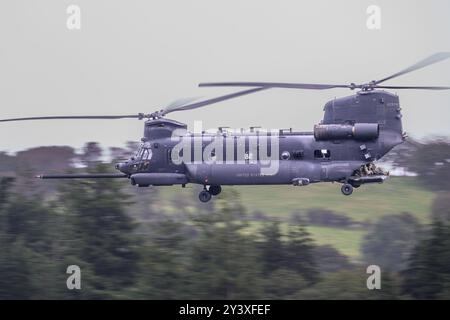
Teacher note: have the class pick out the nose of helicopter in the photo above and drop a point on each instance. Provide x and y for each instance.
(122, 167)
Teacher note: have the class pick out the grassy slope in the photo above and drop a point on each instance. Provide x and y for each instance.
(367, 203)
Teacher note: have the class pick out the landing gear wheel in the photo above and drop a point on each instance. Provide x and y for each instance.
(347, 189)
(215, 190)
(204, 196)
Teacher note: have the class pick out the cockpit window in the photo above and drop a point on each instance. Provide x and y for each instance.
(144, 152)
(147, 154)
(139, 151)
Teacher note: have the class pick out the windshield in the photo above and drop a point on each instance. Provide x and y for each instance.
(144, 152)
(139, 151)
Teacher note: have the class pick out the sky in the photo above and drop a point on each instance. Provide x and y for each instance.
(137, 56)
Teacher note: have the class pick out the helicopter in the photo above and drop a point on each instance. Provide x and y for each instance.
(355, 131)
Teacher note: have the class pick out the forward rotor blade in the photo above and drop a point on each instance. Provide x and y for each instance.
(136, 116)
(214, 100)
(437, 57)
(413, 87)
(179, 103)
(314, 86)
(83, 176)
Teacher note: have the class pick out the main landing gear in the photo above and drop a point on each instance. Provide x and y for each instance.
(347, 189)
(367, 173)
(215, 190)
(206, 194)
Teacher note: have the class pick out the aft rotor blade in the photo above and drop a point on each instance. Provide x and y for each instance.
(437, 57)
(83, 176)
(214, 100)
(413, 87)
(313, 86)
(136, 116)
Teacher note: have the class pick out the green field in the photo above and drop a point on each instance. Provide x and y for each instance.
(367, 204)
(345, 240)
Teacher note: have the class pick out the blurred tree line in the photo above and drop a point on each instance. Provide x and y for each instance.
(213, 253)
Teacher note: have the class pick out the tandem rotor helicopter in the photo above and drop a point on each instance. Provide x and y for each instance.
(355, 131)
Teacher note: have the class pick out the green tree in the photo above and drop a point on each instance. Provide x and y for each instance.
(15, 271)
(5, 191)
(440, 209)
(28, 268)
(102, 238)
(272, 247)
(92, 153)
(293, 250)
(284, 283)
(328, 259)
(431, 161)
(351, 285)
(163, 272)
(299, 251)
(428, 275)
(390, 241)
(224, 262)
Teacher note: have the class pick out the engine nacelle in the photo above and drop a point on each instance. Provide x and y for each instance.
(358, 131)
(158, 179)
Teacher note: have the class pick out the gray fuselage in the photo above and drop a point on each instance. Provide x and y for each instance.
(242, 158)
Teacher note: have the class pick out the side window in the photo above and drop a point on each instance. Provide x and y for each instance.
(297, 154)
(322, 154)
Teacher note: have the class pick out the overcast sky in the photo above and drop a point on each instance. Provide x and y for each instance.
(136, 56)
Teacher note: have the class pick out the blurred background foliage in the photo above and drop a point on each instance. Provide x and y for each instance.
(252, 242)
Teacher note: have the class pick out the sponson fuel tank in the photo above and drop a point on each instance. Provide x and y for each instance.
(158, 179)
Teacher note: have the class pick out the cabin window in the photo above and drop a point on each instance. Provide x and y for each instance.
(297, 154)
(322, 154)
